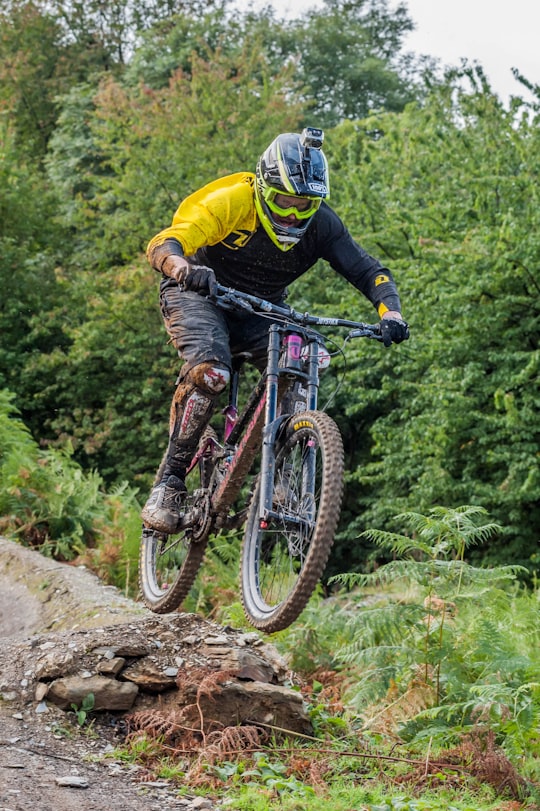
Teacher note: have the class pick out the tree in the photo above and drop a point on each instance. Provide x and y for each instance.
(49, 46)
(349, 57)
(110, 29)
(106, 393)
(28, 240)
(30, 56)
(123, 157)
(346, 58)
(456, 416)
(122, 167)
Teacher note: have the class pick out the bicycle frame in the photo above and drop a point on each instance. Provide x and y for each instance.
(261, 418)
(243, 432)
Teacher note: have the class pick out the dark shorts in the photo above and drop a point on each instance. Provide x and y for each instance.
(201, 331)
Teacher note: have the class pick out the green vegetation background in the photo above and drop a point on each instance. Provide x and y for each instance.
(110, 113)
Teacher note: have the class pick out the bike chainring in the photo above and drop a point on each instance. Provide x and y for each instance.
(201, 516)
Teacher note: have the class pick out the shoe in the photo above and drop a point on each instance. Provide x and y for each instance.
(162, 510)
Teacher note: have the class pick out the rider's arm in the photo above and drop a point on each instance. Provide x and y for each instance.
(204, 218)
(369, 276)
(352, 262)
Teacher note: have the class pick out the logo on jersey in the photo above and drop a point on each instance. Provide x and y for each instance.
(237, 239)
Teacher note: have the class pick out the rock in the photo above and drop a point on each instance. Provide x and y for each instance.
(54, 664)
(41, 691)
(109, 694)
(234, 703)
(111, 667)
(132, 660)
(217, 640)
(71, 781)
(126, 649)
(253, 667)
(149, 676)
(200, 803)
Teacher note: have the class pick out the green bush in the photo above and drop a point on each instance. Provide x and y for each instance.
(49, 503)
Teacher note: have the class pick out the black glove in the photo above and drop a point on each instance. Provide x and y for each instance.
(394, 331)
(199, 279)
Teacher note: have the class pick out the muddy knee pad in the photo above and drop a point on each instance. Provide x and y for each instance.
(210, 377)
(191, 410)
(194, 399)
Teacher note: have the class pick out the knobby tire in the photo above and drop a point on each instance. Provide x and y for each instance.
(282, 563)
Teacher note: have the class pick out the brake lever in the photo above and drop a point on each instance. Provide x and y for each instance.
(228, 301)
(366, 332)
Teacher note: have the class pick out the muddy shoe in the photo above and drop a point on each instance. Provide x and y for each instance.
(162, 510)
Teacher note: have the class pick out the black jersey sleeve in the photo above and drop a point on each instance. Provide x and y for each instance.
(352, 262)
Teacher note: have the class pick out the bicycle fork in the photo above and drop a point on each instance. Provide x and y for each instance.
(292, 368)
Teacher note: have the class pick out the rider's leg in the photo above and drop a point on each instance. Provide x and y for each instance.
(198, 330)
(205, 336)
(191, 410)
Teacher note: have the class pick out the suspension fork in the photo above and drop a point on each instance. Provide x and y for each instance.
(313, 375)
(272, 422)
(309, 472)
(268, 459)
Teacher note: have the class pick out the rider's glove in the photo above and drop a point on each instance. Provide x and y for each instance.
(197, 278)
(394, 330)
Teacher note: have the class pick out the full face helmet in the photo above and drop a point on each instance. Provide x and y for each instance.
(292, 166)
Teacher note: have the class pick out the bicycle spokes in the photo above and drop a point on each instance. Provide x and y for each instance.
(285, 552)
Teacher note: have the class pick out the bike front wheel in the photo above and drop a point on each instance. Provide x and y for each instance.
(284, 556)
(168, 564)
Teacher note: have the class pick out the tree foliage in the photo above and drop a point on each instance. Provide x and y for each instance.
(350, 57)
(130, 108)
(458, 405)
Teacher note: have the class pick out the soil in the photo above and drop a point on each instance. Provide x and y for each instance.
(47, 761)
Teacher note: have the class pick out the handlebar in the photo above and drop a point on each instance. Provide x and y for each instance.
(228, 297)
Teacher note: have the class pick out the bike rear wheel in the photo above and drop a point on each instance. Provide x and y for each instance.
(283, 558)
(168, 564)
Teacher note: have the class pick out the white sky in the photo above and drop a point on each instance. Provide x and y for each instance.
(499, 34)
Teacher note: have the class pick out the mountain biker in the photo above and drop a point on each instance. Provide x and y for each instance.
(256, 233)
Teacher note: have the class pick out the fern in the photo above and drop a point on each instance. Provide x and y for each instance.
(462, 638)
(48, 502)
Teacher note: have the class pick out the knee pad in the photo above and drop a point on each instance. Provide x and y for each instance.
(194, 399)
(210, 377)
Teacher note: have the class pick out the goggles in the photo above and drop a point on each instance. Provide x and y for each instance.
(313, 204)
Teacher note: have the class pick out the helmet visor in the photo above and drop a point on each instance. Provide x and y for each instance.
(286, 205)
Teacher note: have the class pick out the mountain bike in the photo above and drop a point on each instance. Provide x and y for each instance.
(291, 456)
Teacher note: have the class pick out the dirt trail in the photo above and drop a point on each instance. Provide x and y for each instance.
(40, 595)
(47, 764)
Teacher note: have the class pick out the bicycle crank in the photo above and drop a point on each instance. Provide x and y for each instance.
(197, 520)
